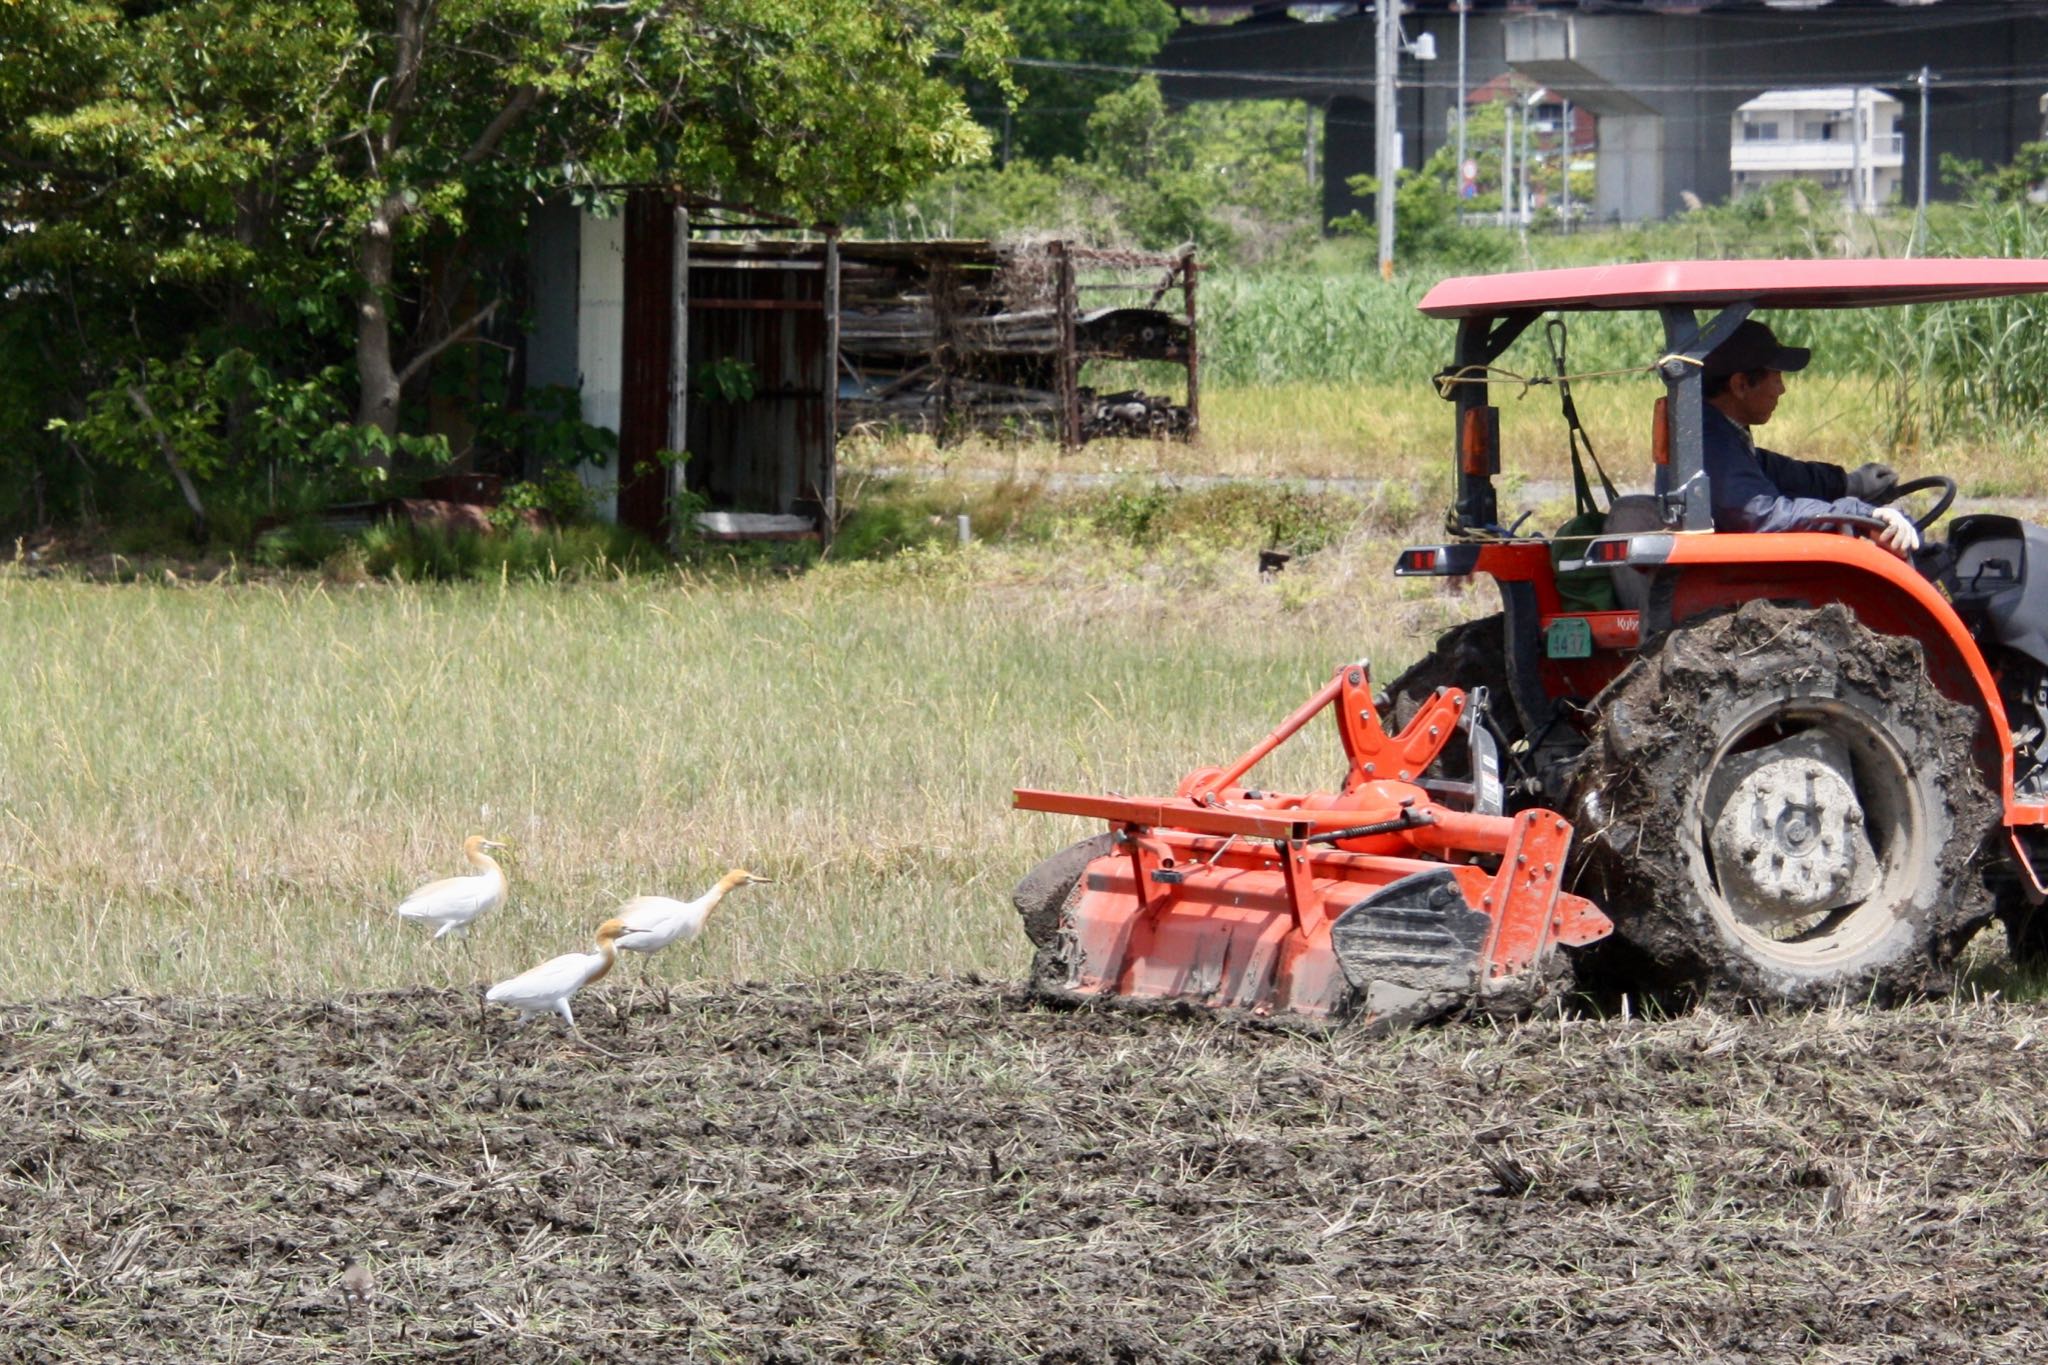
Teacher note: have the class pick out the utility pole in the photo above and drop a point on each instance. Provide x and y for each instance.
(1463, 6)
(1528, 117)
(1389, 47)
(1507, 161)
(1856, 145)
(1565, 167)
(1920, 209)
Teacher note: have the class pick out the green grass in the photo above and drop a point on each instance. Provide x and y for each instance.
(228, 788)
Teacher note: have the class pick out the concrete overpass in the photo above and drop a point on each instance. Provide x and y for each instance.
(1664, 78)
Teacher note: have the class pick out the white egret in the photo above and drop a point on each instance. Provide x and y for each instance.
(454, 903)
(551, 985)
(657, 921)
(654, 922)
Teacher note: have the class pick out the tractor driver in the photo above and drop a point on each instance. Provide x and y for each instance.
(1761, 490)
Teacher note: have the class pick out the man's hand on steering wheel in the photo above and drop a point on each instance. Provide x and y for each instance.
(1901, 490)
(1899, 534)
(1872, 481)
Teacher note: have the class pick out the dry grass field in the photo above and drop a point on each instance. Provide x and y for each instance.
(228, 788)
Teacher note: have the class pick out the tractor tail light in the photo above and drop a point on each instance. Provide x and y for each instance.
(1479, 442)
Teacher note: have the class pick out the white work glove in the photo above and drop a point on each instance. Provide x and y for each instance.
(1899, 535)
(1872, 481)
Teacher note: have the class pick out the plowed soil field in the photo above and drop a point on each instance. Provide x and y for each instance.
(879, 1169)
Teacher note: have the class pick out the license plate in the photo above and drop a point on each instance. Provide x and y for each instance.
(1569, 637)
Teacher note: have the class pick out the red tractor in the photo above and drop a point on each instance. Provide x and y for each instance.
(1784, 768)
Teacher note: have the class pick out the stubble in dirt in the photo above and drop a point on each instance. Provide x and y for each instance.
(874, 1168)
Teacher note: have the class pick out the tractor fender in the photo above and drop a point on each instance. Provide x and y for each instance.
(1707, 574)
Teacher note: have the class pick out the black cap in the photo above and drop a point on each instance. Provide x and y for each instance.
(1753, 346)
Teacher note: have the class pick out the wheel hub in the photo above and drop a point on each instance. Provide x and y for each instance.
(1787, 830)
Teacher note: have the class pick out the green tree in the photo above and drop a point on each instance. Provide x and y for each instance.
(297, 176)
(2013, 183)
(1227, 176)
(1053, 103)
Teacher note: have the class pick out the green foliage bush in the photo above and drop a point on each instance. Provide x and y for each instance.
(1228, 177)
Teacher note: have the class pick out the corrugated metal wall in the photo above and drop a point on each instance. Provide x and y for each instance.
(766, 310)
(648, 346)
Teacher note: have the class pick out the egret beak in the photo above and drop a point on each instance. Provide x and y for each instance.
(753, 880)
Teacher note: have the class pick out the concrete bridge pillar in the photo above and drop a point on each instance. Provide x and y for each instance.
(1663, 85)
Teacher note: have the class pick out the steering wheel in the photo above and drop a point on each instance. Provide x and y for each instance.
(1847, 521)
(1921, 484)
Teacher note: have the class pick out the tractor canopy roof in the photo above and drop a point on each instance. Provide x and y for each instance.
(1714, 284)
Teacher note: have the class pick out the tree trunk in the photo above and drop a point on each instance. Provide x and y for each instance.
(377, 401)
(140, 400)
(380, 378)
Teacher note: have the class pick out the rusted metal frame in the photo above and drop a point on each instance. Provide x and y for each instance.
(941, 285)
(1069, 367)
(679, 368)
(829, 495)
(765, 305)
(1173, 271)
(1190, 269)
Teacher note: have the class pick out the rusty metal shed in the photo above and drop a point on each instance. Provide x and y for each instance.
(727, 354)
(684, 330)
(953, 337)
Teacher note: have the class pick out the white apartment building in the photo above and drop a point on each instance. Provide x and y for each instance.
(1851, 140)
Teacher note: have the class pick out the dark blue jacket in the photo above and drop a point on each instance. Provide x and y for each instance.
(1761, 490)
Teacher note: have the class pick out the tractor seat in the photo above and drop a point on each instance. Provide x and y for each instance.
(1596, 589)
(1633, 512)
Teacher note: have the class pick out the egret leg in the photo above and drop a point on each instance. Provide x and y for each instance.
(583, 1039)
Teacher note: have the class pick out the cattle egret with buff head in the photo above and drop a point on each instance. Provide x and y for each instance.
(551, 985)
(655, 922)
(452, 904)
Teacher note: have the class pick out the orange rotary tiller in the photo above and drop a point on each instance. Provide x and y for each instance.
(1379, 899)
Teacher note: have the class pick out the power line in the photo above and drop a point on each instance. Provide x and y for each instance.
(1361, 76)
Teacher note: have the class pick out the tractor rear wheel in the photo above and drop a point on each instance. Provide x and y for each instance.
(1468, 655)
(1778, 806)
